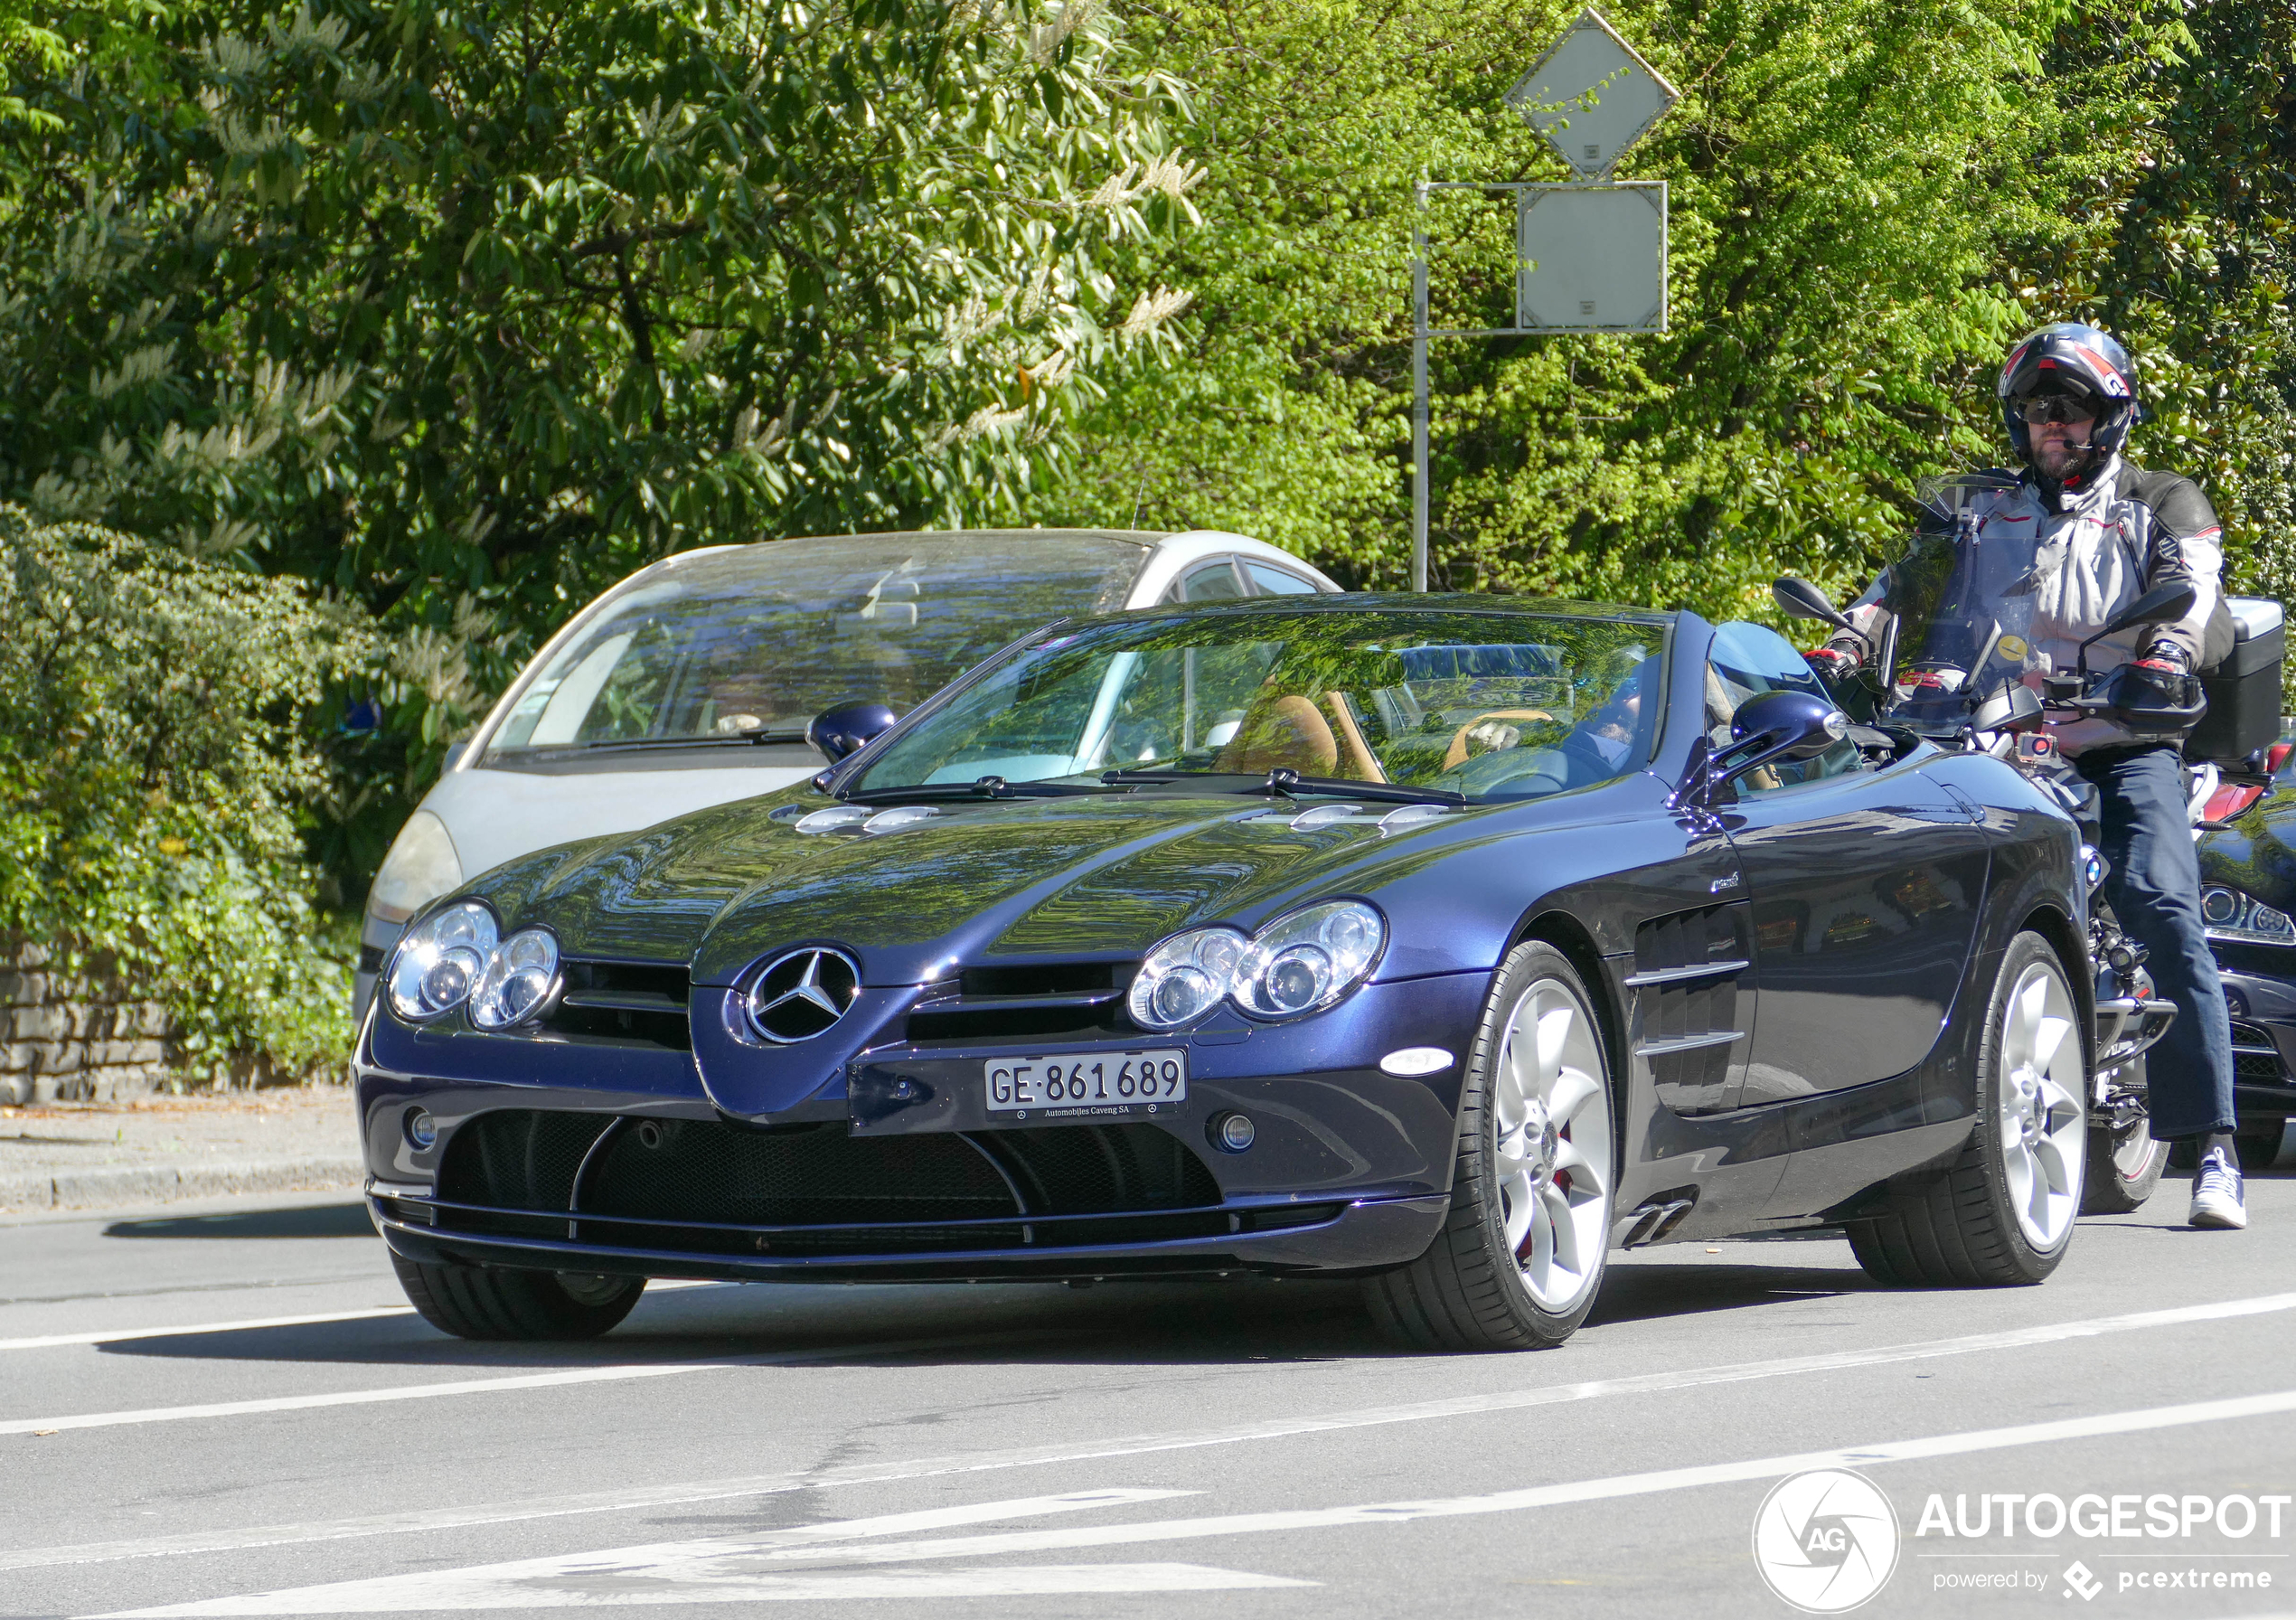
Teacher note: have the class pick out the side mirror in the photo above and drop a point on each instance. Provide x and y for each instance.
(1802, 599)
(2156, 605)
(842, 731)
(1776, 725)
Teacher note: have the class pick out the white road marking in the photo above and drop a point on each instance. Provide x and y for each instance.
(117, 1335)
(432, 1520)
(708, 1569)
(121, 1334)
(694, 1571)
(493, 1386)
(1039, 1580)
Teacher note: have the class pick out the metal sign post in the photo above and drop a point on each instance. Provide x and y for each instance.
(1589, 257)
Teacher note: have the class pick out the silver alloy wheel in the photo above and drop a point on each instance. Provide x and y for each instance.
(2044, 1127)
(1553, 1123)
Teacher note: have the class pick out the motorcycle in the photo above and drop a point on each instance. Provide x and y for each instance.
(1954, 668)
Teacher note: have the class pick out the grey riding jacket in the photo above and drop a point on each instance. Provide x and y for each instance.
(2061, 571)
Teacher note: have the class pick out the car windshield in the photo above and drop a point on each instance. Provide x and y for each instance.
(755, 642)
(1489, 704)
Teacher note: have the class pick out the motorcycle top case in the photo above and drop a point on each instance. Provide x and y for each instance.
(2243, 690)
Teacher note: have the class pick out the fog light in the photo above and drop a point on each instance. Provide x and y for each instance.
(422, 1130)
(1232, 1133)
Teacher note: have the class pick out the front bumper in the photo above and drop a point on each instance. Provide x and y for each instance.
(619, 1158)
(1267, 1236)
(2263, 1005)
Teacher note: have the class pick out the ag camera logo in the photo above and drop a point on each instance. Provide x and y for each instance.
(1825, 1541)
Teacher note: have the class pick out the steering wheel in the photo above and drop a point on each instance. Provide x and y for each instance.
(1456, 754)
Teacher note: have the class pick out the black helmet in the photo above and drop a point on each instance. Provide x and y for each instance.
(2072, 359)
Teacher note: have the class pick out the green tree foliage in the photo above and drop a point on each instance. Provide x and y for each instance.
(1868, 202)
(466, 310)
(155, 747)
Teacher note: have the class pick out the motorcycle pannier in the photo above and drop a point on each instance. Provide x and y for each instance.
(2243, 690)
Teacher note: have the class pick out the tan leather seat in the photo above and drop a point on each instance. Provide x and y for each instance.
(1281, 731)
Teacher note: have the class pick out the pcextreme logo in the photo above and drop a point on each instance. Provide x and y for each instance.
(1825, 1541)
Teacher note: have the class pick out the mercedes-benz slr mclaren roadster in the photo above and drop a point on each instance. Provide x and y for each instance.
(1448, 944)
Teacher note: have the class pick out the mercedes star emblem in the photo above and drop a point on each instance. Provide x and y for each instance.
(801, 994)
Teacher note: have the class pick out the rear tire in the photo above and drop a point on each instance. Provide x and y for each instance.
(2125, 1167)
(1521, 1256)
(494, 1301)
(2003, 1213)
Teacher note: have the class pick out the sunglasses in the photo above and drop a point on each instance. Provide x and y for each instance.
(2059, 408)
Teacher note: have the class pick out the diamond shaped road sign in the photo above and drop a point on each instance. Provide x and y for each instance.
(1592, 96)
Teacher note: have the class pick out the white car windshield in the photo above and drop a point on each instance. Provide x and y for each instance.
(753, 643)
(1486, 704)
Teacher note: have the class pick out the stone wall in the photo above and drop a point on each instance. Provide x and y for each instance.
(76, 1038)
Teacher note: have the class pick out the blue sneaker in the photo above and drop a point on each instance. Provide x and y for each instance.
(2217, 1198)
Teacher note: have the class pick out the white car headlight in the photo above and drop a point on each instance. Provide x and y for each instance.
(2228, 914)
(421, 866)
(1302, 962)
(1185, 976)
(440, 961)
(520, 976)
(1308, 959)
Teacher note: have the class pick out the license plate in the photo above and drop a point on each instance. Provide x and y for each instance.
(1063, 1080)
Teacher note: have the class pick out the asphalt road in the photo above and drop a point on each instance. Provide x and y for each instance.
(231, 1413)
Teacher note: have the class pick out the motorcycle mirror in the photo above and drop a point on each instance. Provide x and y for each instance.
(2011, 709)
(842, 731)
(2156, 605)
(1800, 599)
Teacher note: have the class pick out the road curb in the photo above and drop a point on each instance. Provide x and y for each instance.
(128, 1185)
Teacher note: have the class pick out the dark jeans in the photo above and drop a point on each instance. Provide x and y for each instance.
(2154, 890)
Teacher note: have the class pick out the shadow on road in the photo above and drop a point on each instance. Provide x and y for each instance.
(1205, 1322)
(311, 1220)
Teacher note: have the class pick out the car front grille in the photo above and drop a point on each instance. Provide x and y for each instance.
(2255, 1056)
(1031, 1002)
(710, 1187)
(624, 1004)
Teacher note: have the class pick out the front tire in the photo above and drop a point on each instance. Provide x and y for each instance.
(1521, 1256)
(494, 1301)
(2003, 1213)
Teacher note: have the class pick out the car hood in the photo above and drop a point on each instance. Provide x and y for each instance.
(2256, 853)
(1096, 877)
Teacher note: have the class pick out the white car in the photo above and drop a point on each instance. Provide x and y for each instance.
(692, 682)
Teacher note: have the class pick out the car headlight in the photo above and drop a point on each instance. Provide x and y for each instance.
(421, 866)
(519, 975)
(2229, 914)
(1302, 962)
(1185, 976)
(440, 961)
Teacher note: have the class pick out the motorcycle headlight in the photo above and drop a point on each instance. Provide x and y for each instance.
(1308, 959)
(2228, 914)
(519, 977)
(1186, 976)
(440, 960)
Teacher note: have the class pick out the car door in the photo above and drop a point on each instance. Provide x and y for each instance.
(1865, 885)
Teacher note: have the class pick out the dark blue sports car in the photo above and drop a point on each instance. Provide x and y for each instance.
(1446, 943)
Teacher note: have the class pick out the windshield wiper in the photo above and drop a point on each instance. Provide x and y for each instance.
(1291, 784)
(984, 787)
(763, 734)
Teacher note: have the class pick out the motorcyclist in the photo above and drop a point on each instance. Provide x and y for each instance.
(2082, 533)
